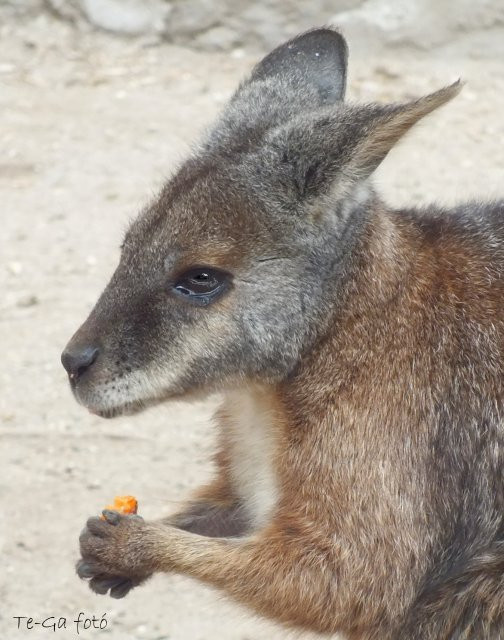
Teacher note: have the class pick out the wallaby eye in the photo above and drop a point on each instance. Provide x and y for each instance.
(201, 285)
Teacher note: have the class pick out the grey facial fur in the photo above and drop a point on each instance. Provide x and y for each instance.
(275, 196)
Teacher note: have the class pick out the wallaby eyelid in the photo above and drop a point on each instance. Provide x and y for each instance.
(272, 258)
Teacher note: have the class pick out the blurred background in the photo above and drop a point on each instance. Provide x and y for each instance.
(99, 100)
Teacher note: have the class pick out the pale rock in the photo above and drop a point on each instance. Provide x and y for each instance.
(132, 17)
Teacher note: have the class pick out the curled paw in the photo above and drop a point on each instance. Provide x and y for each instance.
(113, 553)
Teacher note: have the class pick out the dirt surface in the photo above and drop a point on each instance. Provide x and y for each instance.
(89, 127)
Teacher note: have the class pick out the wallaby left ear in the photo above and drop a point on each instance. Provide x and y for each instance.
(317, 58)
(389, 125)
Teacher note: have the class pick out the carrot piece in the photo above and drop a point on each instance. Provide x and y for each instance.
(123, 504)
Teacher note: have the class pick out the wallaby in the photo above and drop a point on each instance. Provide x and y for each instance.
(359, 350)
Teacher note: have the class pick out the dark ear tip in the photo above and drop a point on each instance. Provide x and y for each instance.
(327, 37)
(329, 31)
(318, 57)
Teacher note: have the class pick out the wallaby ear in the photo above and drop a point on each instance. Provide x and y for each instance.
(332, 148)
(317, 58)
(386, 128)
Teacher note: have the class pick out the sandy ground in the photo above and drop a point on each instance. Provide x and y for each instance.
(89, 126)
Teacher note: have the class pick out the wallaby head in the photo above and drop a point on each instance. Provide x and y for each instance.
(233, 271)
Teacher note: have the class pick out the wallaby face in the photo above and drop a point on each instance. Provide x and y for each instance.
(226, 277)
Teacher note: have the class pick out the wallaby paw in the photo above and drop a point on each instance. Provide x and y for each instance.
(113, 554)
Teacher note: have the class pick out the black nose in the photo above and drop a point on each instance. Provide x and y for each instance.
(77, 361)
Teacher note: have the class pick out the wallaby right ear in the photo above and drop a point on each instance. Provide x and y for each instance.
(317, 58)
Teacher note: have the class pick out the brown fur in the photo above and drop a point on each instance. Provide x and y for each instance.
(352, 540)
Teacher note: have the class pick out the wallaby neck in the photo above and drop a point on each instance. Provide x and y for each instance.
(369, 271)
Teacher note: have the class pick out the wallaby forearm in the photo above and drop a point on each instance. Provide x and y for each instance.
(273, 573)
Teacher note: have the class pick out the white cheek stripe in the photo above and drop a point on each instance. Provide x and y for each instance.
(160, 378)
(137, 386)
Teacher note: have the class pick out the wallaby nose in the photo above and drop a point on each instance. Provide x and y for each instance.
(78, 360)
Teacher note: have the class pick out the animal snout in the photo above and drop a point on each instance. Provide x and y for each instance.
(78, 359)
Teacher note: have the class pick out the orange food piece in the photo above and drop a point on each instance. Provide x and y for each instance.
(123, 504)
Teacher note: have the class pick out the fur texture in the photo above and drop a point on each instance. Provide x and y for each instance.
(358, 484)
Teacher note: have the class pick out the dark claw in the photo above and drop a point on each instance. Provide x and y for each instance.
(136, 517)
(112, 517)
(101, 584)
(83, 535)
(121, 590)
(85, 570)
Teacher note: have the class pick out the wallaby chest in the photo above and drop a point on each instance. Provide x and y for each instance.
(252, 437)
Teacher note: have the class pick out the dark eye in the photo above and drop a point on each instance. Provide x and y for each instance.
(201, 285)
